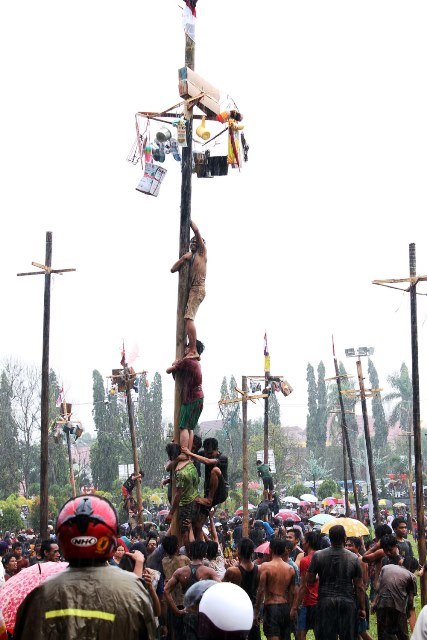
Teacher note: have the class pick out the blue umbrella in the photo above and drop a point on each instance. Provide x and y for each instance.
(321, 518)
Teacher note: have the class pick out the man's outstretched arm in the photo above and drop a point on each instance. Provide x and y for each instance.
(178, 264)
(200, 242)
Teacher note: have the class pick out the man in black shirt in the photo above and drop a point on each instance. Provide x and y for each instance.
(216, 473)
(340, 577)
(400, 530)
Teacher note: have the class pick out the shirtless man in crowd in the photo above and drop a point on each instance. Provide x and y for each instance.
(277, 590)
(198, 257)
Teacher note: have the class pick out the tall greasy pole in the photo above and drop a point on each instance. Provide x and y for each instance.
(416, 422)
(184, 235)
(346, 436)
(44, 430)
(371, 468)
(245, 457)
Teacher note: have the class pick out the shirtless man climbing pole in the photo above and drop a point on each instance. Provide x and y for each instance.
(277, 590)
(198, 257)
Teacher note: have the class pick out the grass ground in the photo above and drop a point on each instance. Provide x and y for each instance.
(373, 619)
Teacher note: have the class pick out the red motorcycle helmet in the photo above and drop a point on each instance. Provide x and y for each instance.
(87, 529)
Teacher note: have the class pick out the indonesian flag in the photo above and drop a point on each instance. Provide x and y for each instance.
(61, 398)
(123, 360)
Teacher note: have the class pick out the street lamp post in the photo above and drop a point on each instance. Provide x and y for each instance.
(358, 353)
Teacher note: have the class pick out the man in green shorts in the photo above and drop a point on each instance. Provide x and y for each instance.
(264, 472)
(187, 481)
(190, 372)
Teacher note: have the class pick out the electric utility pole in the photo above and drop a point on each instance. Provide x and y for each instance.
(362, 394)
(45, 270)
(243, 398)
(346, 440)
(419, 493)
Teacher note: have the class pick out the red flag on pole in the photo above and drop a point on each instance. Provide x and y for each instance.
(265, 344)
(61, 398)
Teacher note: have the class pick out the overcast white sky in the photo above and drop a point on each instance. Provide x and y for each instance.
(334, 101)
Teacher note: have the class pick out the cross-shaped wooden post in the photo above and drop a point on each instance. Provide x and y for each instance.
(46, 270)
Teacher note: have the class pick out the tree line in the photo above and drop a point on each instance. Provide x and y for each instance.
(20, 387)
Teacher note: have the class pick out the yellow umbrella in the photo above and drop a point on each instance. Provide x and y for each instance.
(155, 498)
(352, 527)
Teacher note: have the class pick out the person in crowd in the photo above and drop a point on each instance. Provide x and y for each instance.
(354, 544)
(400, 530)
(89, 598)
(375, 554)
(4, 549)
(394, 602)
(118, 553)
(246, 576)
(277, 591)
(186, 576)
(49, 551)
(264, 472)
(308, 593)
(172, 561)
(225, 612)
(22, 561)
(340, 578)
(10, 565)
(294, 537)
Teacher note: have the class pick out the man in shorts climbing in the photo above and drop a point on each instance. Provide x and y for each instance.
(264, 472)
(197, 257)
(216, 473)
(190, 372)
(184, 500)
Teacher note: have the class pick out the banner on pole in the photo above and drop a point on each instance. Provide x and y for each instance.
(271, 459)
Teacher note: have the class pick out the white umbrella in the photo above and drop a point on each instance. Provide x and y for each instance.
(291, 499)
(308, 497)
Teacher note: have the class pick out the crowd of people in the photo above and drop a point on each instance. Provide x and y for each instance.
(149, 583)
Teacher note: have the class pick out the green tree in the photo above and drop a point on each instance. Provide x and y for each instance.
(108, 449)
(150, 430)
(297, 490)
(273, 410)
(52, 510)
(380, 422)
(58, 455)
(9, 470)
(315, 469)
(25, 397)
(230, 436)
(322, 410)
(312, 409)
(401, 384)
(327, 488)
(11, 518)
